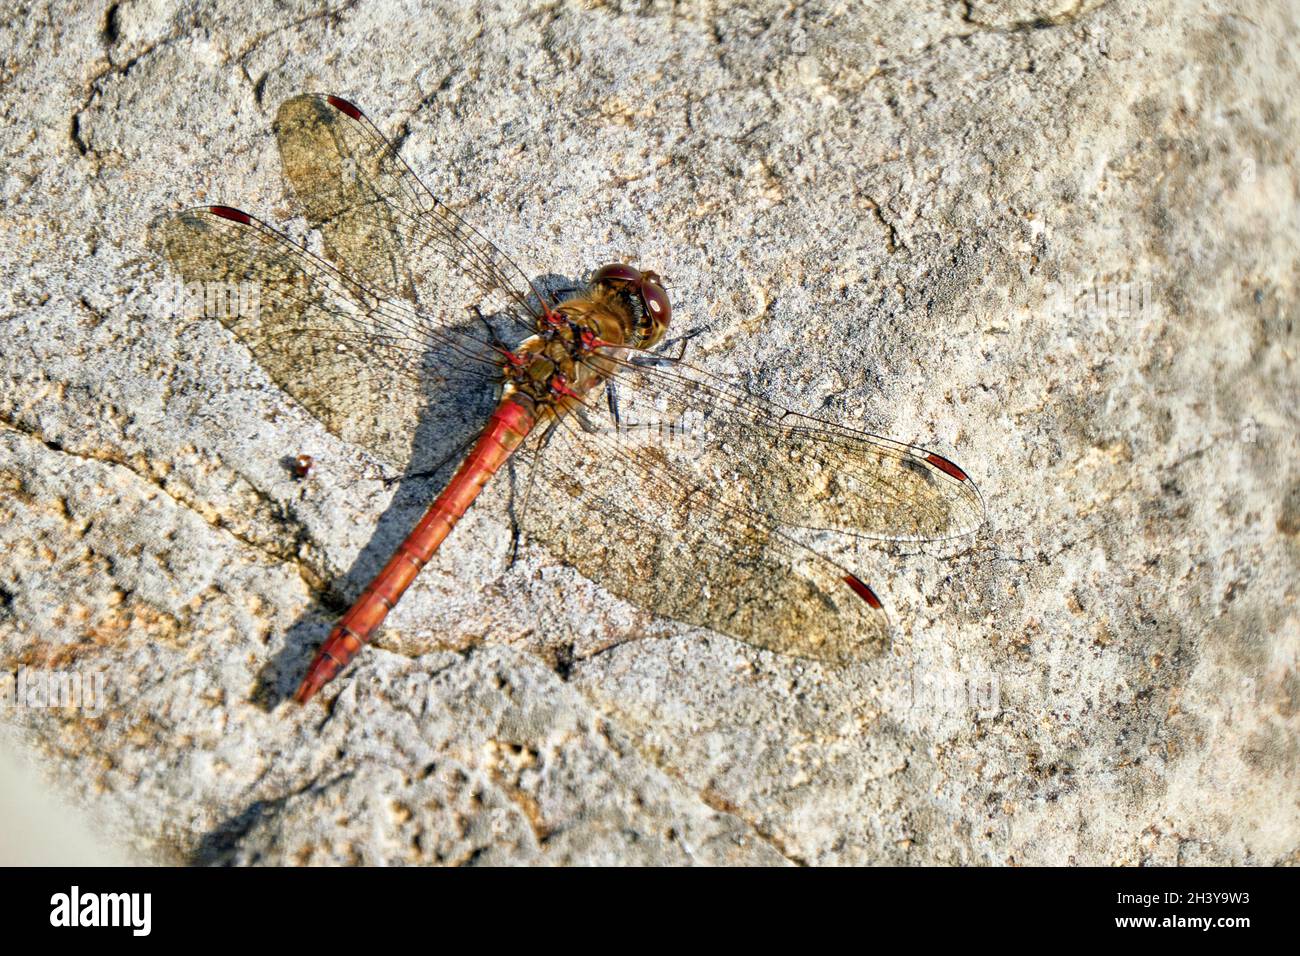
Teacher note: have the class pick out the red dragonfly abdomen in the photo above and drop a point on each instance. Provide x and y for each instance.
(506, 430)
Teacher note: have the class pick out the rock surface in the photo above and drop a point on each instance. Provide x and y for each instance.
(1056, 242)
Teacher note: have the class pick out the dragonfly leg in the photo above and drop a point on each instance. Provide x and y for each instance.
(493, 339)
(653, 360)
(516, 533)
(457, 453)
(611, 398)
(584, 415)
(611, 393)
(585, 422)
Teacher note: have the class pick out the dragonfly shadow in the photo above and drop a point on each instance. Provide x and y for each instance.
(557, 287)
(460, 401)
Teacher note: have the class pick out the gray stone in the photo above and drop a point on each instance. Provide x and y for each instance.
(1055, 243)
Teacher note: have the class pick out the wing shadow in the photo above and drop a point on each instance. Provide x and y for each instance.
(458, 406)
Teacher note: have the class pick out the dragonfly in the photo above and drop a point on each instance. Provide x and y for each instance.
(670, 486)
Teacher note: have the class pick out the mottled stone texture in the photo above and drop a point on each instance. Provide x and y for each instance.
(1055, 242)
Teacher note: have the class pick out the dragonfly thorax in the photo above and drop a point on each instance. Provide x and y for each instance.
(573, 351)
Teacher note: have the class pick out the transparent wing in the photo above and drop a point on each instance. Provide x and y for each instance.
(654, 531)
(689, 498)
(797, 471)
(382, 224)
(364, 343)
(364, 364)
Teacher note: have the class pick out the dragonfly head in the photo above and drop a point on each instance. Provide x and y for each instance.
(644, 294)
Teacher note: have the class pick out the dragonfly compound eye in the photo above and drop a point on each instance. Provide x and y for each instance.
(658, 310)
(617, 275)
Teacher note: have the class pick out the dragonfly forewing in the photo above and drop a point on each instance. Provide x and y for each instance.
(680, 423)
(380, 222)
(365, 365)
